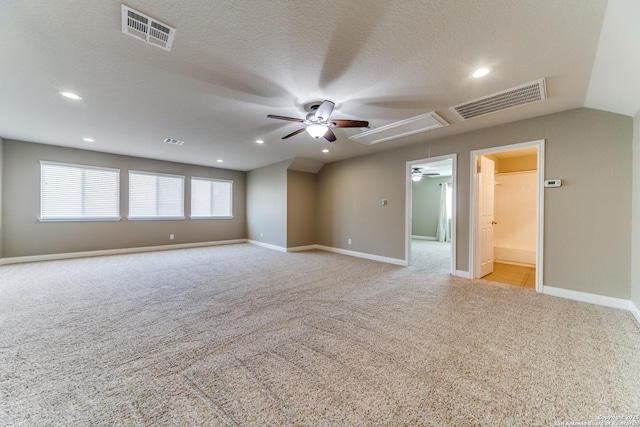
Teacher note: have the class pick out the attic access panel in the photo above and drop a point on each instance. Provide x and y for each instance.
(411, 126)
(143, 27)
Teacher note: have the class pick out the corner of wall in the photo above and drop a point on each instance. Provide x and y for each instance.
(267, 204)
(635, 218)
(1, 193)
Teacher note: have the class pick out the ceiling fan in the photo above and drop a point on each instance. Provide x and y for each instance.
(318, 122)
(418, 175)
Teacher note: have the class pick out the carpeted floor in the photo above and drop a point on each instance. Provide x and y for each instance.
(241, 335)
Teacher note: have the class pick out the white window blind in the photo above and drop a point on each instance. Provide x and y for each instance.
(78, 193)
(211, 198)
(155, 196)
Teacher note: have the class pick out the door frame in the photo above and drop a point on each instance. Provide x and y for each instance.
(473, 240)
(408, 206)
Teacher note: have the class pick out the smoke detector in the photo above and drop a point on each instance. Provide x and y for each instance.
(146, 28)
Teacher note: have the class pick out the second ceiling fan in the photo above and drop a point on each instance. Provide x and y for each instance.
(319, 122)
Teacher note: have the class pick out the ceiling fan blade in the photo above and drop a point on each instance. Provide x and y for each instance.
(293, 133)
(291, 119)
(350, 123)
(330, 136)
(324, 110)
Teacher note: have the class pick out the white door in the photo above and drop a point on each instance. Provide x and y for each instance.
(486, 186)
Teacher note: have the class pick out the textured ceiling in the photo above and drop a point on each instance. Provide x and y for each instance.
(234, 62)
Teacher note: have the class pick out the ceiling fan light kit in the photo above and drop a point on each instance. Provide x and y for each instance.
(317, 131)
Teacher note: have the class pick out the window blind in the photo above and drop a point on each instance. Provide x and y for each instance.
(211, 198)
(155, 196)
(78, 193)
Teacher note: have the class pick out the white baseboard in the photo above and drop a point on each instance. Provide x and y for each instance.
(302, 248)
(463, 274)
(635, 311)
(268, 246)
(422, 237)
(87, 254)
(623, 304)
(379, 258)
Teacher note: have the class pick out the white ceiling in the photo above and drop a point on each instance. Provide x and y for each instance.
(235, 61)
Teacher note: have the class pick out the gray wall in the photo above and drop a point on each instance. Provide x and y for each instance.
(635, 260)
(267, 204)
(589, 150)
(301, 209)
(425, 206)
(23, 235)
(349, 204)
(1, 192)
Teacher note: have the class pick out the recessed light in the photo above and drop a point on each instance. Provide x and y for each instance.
(480, 72)
(70, 95)
(259, 141)
(88, 140)
(325, 151)
(220, 161)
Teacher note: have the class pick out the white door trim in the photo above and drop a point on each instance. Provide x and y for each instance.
(408, 195)
(539, 209)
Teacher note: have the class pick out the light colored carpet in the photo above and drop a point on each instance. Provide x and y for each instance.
(431, 256)
(241, 335)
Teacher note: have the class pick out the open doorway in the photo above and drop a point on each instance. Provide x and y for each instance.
(507, 214)
(430, 222)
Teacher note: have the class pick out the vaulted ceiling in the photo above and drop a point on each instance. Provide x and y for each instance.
(233, 62)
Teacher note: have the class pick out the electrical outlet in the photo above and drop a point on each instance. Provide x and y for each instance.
(348, 241)
(261, 234)
(171, 236)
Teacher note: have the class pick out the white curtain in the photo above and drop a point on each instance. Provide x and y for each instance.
(443, 233)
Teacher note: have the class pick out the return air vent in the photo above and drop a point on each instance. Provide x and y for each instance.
(514, 97)
(173, 141)
(147, 29)
(400, 129)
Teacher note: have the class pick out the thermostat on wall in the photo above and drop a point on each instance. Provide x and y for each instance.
(553, 183)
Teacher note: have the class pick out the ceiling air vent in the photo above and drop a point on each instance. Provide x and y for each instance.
(400, 129)
(147, 29)
(514, 97)
(173, 141)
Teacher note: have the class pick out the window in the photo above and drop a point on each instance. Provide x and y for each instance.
(78, 193)
(449, 200)
(211, 198)
(155, 196)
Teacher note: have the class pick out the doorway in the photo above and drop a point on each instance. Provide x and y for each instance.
(430, 213)
(507, 214)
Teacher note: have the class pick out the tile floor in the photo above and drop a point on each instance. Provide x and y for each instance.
(513, 274)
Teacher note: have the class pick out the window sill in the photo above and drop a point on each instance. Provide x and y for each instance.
(211, 217)
(82, 219)
(156, 218)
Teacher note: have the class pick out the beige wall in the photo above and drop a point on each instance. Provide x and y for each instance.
(587, 243)
(23, 235)
(517, 164)
(301, 209)
(635, 260)
(267, 204)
